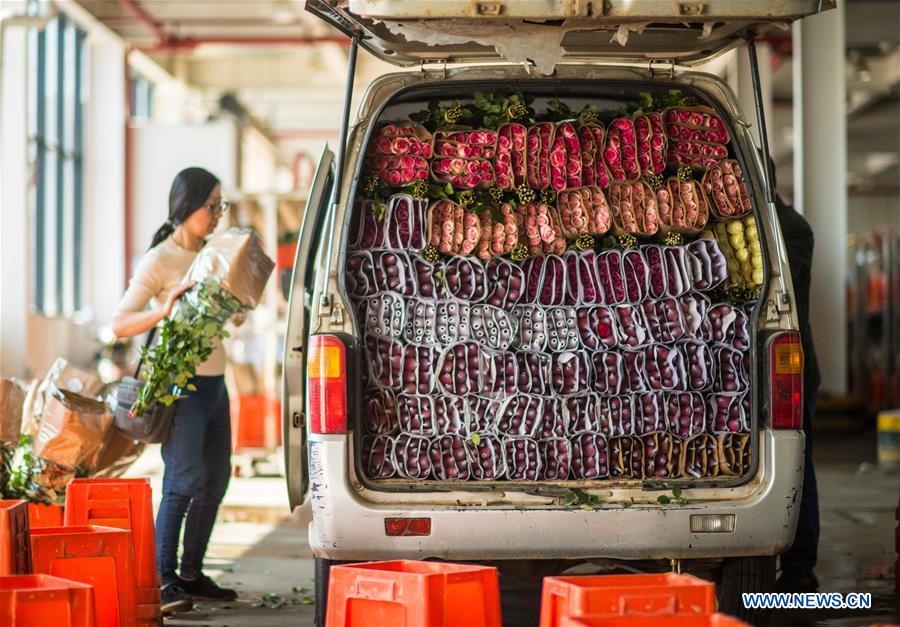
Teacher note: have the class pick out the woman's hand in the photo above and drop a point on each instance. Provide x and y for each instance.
(129, 324)
(174, 295)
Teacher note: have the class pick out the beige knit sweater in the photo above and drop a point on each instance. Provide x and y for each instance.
(161, 270)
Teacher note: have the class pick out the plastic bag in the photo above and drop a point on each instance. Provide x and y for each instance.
(411, 456)
(385, 315)
(626, 457)
(522, 459)
(590, 456)
(598, 327)
(505, 283)
(405, 223)
(562, 329)
(608, 373)
(378, 456)
(235, 257)
(569, 373)
(685, 414)
(665, 368)
(465, 279)
(449, 458)
(582, 284)
(663, 455)
(531, 328)
(556, 458)
(380, 412)
(490, 326)
(617, 415)
(487, 459)
(533, 370)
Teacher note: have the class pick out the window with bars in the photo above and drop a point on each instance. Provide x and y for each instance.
(55, 120)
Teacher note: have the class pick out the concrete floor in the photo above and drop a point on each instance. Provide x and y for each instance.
(262, 552)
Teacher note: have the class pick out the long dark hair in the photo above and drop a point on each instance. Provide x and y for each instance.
(190, 189)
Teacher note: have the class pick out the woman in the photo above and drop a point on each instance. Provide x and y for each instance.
(197, 455)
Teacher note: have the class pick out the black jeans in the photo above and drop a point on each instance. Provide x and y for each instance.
(197, 459)
(804, 552)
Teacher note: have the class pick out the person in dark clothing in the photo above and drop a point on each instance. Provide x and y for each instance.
(798, 562)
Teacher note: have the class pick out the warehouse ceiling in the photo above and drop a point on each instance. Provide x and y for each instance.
(276, 57)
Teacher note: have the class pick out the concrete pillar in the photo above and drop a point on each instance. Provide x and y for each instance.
(820, 166)
(104, 176)
(14, 235)
(741, 82)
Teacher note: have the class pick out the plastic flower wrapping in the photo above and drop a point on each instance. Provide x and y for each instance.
(557, 299)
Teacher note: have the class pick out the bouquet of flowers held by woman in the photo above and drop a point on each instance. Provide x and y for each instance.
(230, 274)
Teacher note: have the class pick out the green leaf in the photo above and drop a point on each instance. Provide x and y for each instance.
(586, 507)
(308, 601)
(662, 499)
(191, 387)
(677, 492)
(627, 504)
(476, 439)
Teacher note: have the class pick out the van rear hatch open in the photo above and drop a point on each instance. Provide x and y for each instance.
(544, 32)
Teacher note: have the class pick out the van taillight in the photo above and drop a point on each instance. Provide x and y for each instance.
(786, 381)
(326, 371)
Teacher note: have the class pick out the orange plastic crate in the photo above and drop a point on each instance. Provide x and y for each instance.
(40, 515)
(412, 594)
(286, 254)
(710, 620)
(98, 556)
(123, 504)
(251, 416)
(625, 595)
(42, 600)
(15, 547)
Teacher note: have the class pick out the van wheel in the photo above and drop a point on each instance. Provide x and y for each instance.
(745, 574)
(322, 569)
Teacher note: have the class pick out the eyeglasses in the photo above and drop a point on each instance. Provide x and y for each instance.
(218, 208)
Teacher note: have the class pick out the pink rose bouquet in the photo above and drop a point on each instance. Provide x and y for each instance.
(620, 151)
(593, 167)
(539, 229)
(697, 137)
(682, 205)
(498, 237)
(633, 208)
(651, 142)
(565, 158)
(727, 192)
(538, 143)
(509, 162)
(452, 229)
(583, 211)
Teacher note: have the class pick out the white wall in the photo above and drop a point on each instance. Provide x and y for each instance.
(159, 152)
(104, 177)
(14, 239)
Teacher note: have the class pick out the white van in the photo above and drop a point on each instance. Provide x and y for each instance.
(599, 54)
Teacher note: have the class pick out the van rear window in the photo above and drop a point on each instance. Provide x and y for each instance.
(554, 288)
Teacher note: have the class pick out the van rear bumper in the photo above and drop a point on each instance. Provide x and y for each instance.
(347, 527)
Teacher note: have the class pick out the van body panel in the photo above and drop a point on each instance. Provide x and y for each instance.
(347, 527)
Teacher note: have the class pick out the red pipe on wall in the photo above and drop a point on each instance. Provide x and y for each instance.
(138, 12)
(164, 41)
